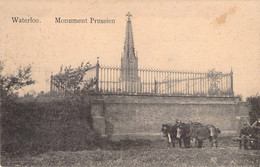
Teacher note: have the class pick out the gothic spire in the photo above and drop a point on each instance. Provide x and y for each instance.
(129, 50)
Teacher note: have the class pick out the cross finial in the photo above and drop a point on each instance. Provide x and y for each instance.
(128, 15)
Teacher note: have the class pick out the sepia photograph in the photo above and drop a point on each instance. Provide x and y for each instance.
(124, 83)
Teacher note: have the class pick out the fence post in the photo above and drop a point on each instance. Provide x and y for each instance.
(97, 75)
(155, 87)
(231, 77)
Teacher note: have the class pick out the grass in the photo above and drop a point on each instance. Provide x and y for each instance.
(145, 153)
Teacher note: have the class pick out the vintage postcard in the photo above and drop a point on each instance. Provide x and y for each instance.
(130, 83)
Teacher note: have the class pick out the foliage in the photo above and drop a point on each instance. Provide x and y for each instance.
(31, 127)
(71, 79)
(254, 103)
(240, 97)
(10, 83)
(48, 121)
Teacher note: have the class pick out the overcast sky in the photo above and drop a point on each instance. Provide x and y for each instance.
(186, 35)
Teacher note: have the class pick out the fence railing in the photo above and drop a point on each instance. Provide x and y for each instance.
(115, 80)
(164, 82)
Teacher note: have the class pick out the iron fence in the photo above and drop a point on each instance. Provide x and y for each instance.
(164, 82)
(116, 80)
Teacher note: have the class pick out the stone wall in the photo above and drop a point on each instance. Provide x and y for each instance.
(128, 116)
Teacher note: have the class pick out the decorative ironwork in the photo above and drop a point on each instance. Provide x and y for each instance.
(214, 79)
(165, 82)
(154, 82)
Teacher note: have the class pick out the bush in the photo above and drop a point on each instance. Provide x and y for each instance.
(38, 126)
